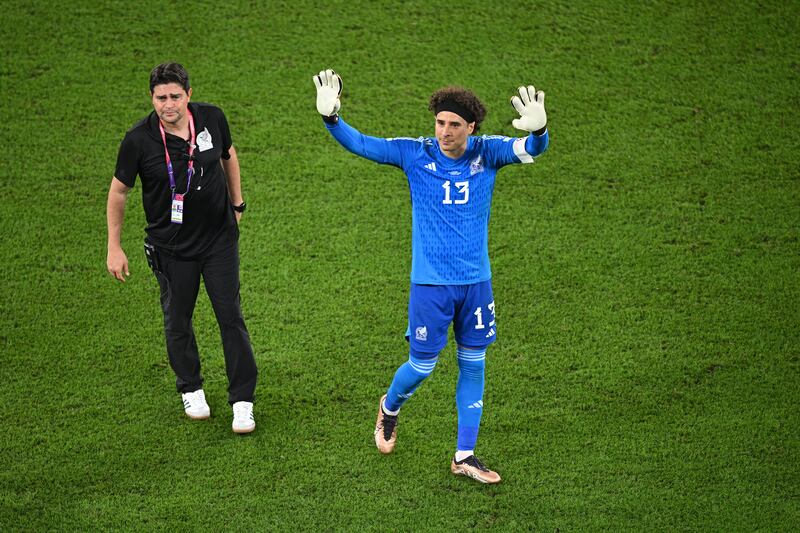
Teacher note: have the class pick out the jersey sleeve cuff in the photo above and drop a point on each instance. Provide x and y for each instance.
(520, 151)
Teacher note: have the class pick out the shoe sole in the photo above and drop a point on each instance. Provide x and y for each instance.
(244, 431)
(202, 417)
(459, 471)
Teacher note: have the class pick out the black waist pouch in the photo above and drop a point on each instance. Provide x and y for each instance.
(153, 260)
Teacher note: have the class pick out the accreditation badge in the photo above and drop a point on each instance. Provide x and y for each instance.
(177, 209)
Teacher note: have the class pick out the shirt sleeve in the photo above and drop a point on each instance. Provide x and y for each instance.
(127, 161)
(501, 151)
(226, 135)
(384, 151)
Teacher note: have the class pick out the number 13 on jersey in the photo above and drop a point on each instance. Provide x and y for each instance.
(463, 190)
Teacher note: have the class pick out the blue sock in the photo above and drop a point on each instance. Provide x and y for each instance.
(408, 377)
(469, 395)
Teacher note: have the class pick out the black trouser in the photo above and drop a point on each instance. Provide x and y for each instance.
(180, 281)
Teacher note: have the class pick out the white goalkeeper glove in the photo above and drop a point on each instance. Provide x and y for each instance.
(530, 105)
(329, 87)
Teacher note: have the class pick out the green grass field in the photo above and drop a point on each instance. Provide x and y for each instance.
(646, 271)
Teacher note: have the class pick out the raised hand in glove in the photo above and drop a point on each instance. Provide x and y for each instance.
(329, 88)
(530, 105)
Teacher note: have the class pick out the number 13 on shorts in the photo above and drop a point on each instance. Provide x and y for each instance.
(479, 319)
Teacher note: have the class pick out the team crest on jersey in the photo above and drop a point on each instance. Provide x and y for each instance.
(422, 333)
(475, 166)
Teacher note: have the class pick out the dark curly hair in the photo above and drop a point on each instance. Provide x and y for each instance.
(463, 97)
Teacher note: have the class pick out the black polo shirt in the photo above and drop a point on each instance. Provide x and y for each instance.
(207, 212)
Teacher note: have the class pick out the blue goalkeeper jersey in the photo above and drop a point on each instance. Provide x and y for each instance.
(450, 198)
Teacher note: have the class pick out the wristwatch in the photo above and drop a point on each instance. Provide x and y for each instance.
(240, 208)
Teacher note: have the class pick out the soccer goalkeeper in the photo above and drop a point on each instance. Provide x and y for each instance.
(451, 177)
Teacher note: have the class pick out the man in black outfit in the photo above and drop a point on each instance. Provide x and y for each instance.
(192, 198)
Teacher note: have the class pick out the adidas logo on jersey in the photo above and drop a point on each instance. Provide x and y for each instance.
(431, 166)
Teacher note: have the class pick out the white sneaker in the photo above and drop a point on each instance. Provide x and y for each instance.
(195, 406)
(243, 421)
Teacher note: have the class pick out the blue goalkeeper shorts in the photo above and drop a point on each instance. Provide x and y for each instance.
(431, 309)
